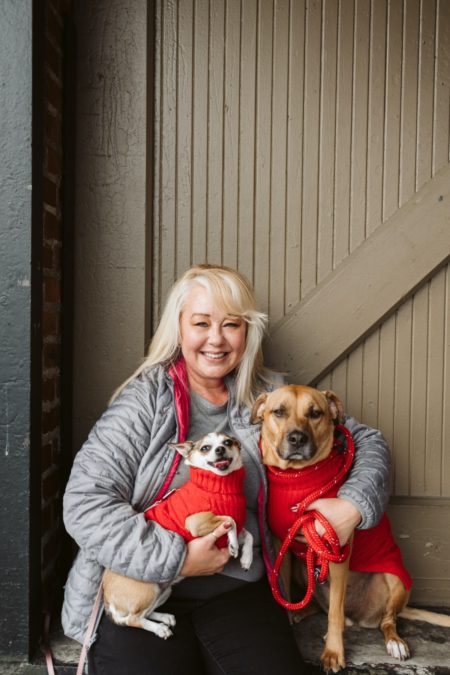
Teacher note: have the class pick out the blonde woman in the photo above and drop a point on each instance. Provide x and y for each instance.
(203, 371)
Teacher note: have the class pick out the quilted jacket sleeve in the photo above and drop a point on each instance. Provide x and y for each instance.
(367, 486)
(97, 503)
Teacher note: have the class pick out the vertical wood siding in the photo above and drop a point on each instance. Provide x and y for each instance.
(286, 133)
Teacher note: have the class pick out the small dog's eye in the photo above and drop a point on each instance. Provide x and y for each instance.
(228, 442)
(205, 448)
(315, 413)
(278, 412)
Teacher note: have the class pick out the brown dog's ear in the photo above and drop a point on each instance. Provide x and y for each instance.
(335, 406)
(183, 448)
(258, 409)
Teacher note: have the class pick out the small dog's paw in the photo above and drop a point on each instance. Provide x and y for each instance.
(163, 631)
(246, 560)
(233, 549)
(398, 649)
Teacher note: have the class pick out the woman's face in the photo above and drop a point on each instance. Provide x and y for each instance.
(212, 342)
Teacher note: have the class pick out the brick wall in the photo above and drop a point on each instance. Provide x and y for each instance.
(52, 532)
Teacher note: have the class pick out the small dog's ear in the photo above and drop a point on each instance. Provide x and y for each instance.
(335, 406)
(183, 448)
(258, 409)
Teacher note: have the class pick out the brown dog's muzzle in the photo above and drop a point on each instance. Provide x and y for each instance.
(297, 444)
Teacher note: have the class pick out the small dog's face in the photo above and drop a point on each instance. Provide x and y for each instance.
(297, 425)
(218, 453)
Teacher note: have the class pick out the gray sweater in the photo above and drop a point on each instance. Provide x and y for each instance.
(124, 463)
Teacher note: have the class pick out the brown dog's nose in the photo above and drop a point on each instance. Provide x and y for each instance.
(297, 438)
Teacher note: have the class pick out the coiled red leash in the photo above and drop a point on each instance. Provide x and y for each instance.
(320, 550)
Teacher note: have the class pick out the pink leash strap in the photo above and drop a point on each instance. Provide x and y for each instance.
(90, 629)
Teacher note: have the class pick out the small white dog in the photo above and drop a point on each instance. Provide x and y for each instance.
(213, 495)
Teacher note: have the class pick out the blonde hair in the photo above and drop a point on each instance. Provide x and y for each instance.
(232, 293)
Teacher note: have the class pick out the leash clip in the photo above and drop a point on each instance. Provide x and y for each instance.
(317, 571)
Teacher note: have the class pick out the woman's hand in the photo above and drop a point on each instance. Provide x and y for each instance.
(203, 557)
(340, 513)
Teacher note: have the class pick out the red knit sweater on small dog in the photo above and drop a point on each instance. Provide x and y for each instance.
(205, 491)
(374, 550)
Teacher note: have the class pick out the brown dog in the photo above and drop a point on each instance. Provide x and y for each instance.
(298, 424)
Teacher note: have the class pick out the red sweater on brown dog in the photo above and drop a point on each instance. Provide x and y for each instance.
(374, 550)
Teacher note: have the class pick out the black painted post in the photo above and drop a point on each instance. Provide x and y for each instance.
(16, 81)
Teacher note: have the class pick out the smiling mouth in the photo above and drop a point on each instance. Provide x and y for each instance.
(221, 464)
(215, 356)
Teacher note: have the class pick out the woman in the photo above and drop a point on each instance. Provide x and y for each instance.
(207, 345)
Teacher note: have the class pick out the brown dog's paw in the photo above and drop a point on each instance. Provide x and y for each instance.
(398, 649)
(332, 661)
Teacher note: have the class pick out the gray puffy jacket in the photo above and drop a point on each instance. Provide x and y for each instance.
(121, 468)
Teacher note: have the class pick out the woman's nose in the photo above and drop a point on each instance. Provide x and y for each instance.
(215, 335)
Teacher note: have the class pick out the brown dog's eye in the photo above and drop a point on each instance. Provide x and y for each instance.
(279, 412)
(205, 448)
(315, 413)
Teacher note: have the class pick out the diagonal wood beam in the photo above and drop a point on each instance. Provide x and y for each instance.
(377, 277)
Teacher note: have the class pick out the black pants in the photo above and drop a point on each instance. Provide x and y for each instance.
(242, 632)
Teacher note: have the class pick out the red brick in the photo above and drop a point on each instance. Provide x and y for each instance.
(52, 290)
(52, 129)
(54, 161)
(50, 192)
(53, 91)
(51, 356)
(50, 485)
(52, 226)
(54, 27)
(46, 456)
(47, 257)
(48, 391)
(53, 59)
(50, 323)
(50, 420)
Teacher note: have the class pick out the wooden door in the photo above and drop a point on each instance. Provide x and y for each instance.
(307, 144)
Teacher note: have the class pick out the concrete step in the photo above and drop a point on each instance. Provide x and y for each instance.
(365, 650)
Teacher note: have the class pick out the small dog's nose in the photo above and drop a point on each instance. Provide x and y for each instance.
(297, 438)
(220, 451)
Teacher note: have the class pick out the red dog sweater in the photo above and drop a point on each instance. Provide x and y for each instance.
(205, 491)
(374, 550)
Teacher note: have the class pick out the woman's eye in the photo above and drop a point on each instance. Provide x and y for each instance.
(231, 324)
(201, 324)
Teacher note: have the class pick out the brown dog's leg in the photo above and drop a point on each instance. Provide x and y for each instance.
(397, 599)
(333, 654)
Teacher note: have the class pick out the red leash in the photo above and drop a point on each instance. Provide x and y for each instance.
(320, 550)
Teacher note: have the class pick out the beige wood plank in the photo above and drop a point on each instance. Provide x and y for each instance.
(310, 147)
(387, 380)
(359, 124)
(324, 383)
(370, 379)
(377, 74)
(402, 400)
(156, 238)
(419, 392)
(339, 381)
(392, 109)
(442, 87)
(200, 130)
(278, 160)
(421, 529)
(263, 152)
(425, 94)
(183, 162)
(408, 129)
(295, 153)
(216, 60)
(343, 133)
(327, 139)
(247, 138)
(396, 258)
(445, 465)
(434, 410)
(231, 133)
(167, 139)
(354, 382)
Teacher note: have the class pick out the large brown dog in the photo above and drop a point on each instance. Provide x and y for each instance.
(298, 424)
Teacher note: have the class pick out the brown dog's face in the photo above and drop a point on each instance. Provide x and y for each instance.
(297, 425)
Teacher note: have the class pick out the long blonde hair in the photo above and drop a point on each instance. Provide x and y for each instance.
(232, 293)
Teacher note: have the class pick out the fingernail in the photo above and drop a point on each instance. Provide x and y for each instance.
(227, 526)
